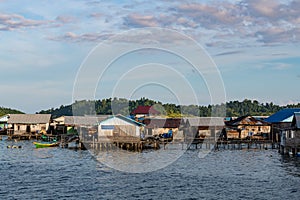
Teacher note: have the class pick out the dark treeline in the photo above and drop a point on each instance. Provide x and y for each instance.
(4, 111)
(123, 106)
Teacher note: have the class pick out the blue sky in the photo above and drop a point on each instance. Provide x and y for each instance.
(254, 43)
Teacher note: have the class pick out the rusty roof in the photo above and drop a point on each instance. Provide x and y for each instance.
(247, 120)
(162, 122)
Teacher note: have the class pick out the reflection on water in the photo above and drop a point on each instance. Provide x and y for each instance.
(56, 173)
(291, 165)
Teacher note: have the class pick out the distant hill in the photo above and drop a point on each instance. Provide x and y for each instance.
(124, 106)
(62, 110)
(4, 111)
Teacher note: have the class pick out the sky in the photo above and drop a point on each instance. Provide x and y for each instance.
(253, 43)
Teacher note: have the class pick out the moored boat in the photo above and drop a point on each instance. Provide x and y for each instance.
(44, 145)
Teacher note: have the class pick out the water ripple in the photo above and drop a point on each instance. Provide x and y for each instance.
(56, 173)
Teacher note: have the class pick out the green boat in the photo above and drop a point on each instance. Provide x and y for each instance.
(45, 145)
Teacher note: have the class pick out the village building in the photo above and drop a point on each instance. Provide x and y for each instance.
(120, 126)
(202, 127)
(280, 121)
(290, 137)
(3, 124)
(71, 124)
(142, 112)
(159, 126)
(247, 127)
(28, 123)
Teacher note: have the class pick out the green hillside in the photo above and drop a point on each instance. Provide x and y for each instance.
(4, 111)
(124, 106)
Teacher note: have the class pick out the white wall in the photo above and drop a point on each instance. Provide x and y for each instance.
(112, 122)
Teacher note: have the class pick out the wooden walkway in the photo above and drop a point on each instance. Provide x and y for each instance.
(131, 143)
(232, 144)
(125, 143)
(135, 144)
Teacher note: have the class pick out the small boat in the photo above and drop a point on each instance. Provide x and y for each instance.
(44, 145)
(14, 147)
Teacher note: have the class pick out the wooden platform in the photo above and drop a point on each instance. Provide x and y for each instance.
(126, 143)
(135, 144)
(22, 136)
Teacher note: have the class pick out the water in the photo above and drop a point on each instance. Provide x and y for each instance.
(56, 173)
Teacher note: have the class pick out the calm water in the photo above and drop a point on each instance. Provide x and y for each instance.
(55, 173)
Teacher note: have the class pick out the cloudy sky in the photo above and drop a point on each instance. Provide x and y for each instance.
(254, 44)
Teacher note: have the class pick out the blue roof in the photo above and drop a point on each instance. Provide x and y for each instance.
(127, 119)
(284, 115)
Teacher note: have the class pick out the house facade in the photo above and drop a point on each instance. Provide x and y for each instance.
(290, 137)
(120, 126)
(281, 120)
(28, 123)
(71, 124)
(158, 126)
(248, 127)
(202, 127)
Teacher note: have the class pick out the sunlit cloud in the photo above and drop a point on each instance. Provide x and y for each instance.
(136, 20)
(11, 22)
(37, 37)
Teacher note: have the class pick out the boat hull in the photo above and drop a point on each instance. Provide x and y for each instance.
(45, 145)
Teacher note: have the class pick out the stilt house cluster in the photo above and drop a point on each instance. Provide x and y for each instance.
(146, 123)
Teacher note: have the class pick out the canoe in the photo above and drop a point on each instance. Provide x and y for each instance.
(44, 145)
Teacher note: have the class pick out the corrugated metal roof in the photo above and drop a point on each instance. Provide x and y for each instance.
(29, 118)
(145, 110)
(129, 120)
(246, 120)
(205, 121)
(284, 115)
(162, 122)
(81, 120)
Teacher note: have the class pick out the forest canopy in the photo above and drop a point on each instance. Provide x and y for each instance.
(4, 111)
(125, 107)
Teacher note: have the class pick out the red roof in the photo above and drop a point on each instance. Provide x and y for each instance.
(145, 110)
(162, 123)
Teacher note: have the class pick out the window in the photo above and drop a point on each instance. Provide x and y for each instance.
(290, 134)
(107, 127)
